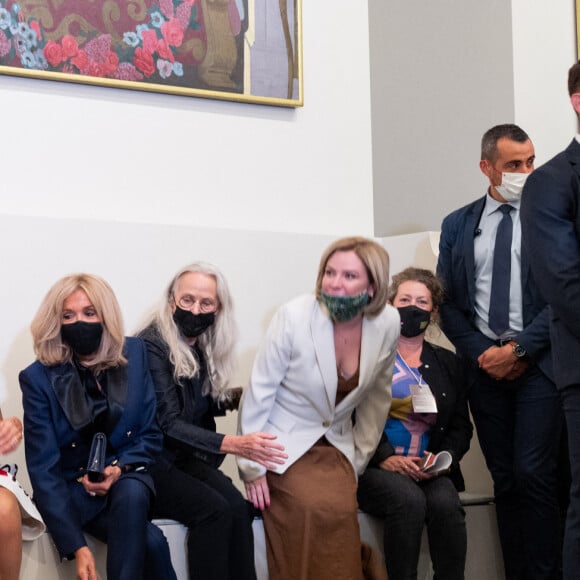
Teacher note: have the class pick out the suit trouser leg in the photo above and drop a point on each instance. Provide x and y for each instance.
(518, 425)
(571, 552)
(136, 548)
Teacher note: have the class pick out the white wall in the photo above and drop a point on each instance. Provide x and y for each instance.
(544, 48)
(88, 152)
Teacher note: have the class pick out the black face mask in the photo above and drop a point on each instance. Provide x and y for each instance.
(414, 320)
(192, 325)
(83, 337)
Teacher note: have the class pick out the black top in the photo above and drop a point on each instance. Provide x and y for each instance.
(446, 375)
(185, 414)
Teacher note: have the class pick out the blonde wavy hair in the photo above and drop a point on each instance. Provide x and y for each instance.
(376, 261)
(45, 328)
(217, 342)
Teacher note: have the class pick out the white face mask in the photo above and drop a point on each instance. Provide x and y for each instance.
(512, 185)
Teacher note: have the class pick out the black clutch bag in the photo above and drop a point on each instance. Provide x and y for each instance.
(96, 463)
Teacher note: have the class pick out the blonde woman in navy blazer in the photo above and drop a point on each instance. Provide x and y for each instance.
(316, 344)
(89, 378)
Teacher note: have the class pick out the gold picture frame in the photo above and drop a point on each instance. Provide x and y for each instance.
(237, 50)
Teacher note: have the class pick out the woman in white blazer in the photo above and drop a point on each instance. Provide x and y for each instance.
(321, 383)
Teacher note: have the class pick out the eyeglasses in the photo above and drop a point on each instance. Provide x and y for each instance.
(187, 302)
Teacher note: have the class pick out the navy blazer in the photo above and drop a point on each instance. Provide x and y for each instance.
(57, 450)
(445, 374)
(550, 217)
(456, 268)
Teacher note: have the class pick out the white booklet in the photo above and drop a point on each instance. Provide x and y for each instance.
(436, 462)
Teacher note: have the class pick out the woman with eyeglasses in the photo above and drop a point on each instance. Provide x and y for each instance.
(190, 341)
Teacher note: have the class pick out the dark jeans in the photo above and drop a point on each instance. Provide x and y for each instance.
(406, 507)
(571, 554)
(136, 548)
(221, 543)
(519, 425)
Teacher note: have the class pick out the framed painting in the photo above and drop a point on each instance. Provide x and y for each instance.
(239, 50)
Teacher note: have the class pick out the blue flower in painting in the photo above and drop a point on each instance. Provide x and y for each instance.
(13, 27)
(41, 62)
(131, 39)
(164, 67)
(177, 69)
(23, 28)
(5, 19)
(21, 44)
(27, 59)
(30, 38)
(140, 29)
(157, 19)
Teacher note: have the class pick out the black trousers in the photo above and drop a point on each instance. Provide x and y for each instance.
(406, 507)
(221, 543)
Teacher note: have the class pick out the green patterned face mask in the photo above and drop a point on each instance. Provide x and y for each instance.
(344, 308)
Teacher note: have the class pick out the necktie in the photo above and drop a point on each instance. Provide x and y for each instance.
(499, 302)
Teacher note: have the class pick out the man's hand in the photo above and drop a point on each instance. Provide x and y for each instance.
(499, 362)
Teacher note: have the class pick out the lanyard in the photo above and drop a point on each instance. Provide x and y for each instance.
(418, 378)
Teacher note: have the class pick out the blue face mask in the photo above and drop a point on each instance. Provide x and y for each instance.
(344, 308)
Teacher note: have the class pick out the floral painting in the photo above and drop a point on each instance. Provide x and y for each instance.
(223, 49)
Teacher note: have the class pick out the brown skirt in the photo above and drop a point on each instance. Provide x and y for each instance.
(312, 530)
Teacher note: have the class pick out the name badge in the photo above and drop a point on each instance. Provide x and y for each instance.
(423, 399)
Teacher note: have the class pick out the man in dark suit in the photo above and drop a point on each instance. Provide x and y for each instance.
(551, 224)
(496, 318)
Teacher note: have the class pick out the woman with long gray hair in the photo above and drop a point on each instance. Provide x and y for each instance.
(190, 341)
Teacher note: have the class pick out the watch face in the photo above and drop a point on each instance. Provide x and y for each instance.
(519, 351)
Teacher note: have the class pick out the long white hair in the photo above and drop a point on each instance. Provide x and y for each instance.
(217, 342)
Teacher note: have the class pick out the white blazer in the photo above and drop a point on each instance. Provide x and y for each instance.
(292, 389)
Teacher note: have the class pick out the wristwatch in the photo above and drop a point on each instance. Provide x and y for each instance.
(519, 350)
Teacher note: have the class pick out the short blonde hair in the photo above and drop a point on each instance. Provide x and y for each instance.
(376, 261)
(45, 328)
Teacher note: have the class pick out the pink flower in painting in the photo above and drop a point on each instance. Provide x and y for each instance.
(149, 41)
(81, 61)
(4, 44)
(183, 14)
(34, 25)
(172, 32)
(53, 53)
(127, 72)
(98, 48)
(166, 7)
(144, 61)
(69, 46)
(164, 51)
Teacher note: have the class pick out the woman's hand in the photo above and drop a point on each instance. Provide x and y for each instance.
(86, 569)
(408, 466)
(258, 492)
(111, 473)
(10, 434)
(258, 447)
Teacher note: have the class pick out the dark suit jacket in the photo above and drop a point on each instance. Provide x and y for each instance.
(445, 374)
(550, 217)
(456, 268)
(57, 447)
(185, 415)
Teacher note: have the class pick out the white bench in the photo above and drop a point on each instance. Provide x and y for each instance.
(40, 559)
